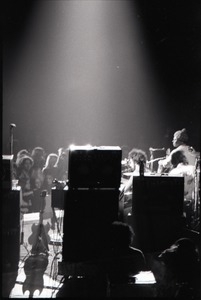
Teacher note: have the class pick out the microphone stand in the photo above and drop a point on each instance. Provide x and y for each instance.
(151, 160)
(11, 138)
(11, 147)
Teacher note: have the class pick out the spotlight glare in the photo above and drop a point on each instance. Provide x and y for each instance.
(72, 147)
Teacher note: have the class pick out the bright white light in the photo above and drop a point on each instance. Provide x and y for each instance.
(72, 147)
(88, 145)
(146, 277)
(81, 147)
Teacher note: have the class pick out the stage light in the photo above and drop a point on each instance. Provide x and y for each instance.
(71, 147)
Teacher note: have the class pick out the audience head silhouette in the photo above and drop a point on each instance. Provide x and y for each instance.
(121, 235)
(179, 253)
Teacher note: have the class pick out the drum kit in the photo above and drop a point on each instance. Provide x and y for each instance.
(193, 208)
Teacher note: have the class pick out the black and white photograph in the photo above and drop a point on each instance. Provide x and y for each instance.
(100, 168)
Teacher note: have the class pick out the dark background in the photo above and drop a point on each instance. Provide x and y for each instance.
(170, 32)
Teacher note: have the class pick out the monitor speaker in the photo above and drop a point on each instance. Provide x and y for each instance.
(88, 215)
(157, 211)
(94, 167)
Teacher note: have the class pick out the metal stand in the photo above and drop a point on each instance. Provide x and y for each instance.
(196, 208)
(151, 160)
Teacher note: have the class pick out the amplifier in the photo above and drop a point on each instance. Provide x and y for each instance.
(58, 197)
(158, 194)
(7, 171)
(88, 215)
(157, 211)
(94, 167)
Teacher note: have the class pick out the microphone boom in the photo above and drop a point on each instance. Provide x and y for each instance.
(156, 149)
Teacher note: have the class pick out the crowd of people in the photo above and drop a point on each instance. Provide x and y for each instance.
(36, 171)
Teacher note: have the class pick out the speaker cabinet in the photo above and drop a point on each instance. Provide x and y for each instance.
(11, 229)
(7, 171)
(157, 211)
(94, 167)
(88, 215)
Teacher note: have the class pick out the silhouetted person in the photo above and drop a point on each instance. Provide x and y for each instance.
(39, 157)
(49, 167)
(137, 157)
(125, 260)
(24, 176)
(37, 189)
(181, 167)
(181, 270)
(16, 163)
(62, 165)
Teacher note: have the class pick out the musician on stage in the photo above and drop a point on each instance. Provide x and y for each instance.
(181, 167)
(180, 142)
(136, 157)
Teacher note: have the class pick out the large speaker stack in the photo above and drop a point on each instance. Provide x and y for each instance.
(92, 201)
(157, 211)
(10, 218)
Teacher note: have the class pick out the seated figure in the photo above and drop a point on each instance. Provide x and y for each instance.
(181, 167)
(125, 260)
(180, 143)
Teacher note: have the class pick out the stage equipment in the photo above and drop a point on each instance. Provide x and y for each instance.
(157, 211)
(7, 171)
(152, 160)
(12, 126)
(11, 229)
(196, 202)
(94, 167)
(88, 215)
(59, 195)
(91, 201)
(156, 149)
(7, 163)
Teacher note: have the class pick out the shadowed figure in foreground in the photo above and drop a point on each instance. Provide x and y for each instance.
(96, 278)
(177, 270)
(125, 260)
